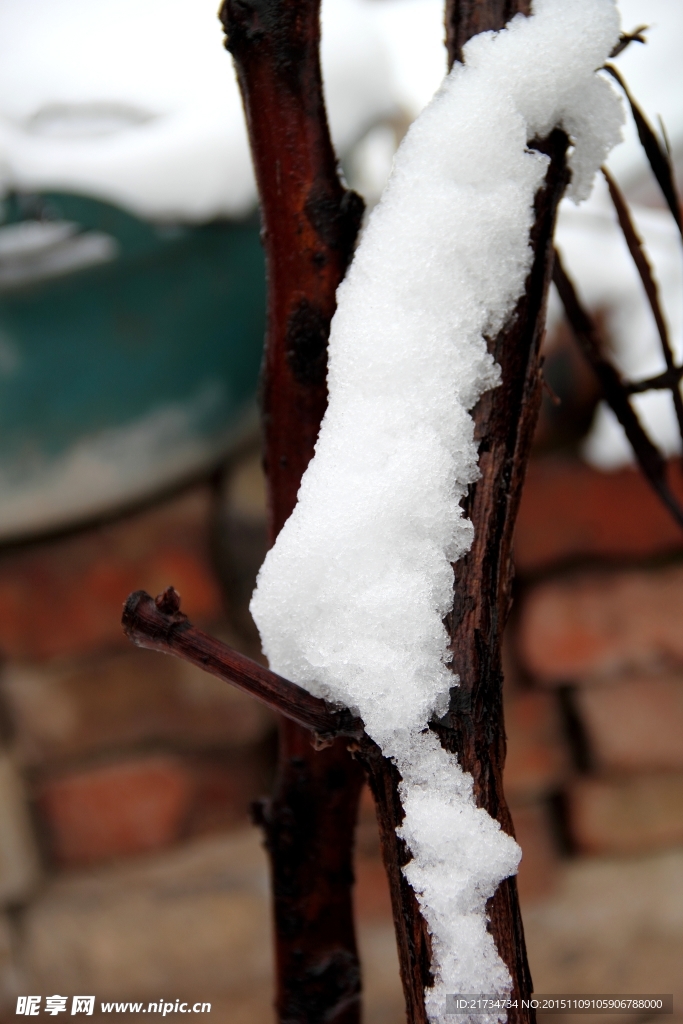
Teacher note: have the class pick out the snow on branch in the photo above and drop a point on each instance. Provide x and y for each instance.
(351, 600)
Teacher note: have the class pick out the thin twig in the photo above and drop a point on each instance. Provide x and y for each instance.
(615, 390)
(626, 38)
(666, 381)
(159, 625)
(635, 247)
(665, 136)
(658, 156)
(554, 398)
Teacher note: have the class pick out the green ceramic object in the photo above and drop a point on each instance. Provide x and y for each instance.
(129, 354)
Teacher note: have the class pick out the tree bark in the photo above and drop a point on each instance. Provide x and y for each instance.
(310, 222)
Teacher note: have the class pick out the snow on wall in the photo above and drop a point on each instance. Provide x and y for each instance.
(351, 599)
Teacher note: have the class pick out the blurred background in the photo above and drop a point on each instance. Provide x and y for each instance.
(131, 326)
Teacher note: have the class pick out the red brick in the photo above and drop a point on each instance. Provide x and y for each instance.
(608, 622)
(627, 815)
(371, 898)
(64, 597)
(123, 700)
(225, 785)
(115, 810)
(569, 510)
(539, 868)
(537, 759)
(367, 830)
(635, 723)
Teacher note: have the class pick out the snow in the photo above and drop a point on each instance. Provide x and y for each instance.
(351, 599)
(136, 102)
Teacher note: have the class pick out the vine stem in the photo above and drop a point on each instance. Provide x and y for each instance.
(159, 625)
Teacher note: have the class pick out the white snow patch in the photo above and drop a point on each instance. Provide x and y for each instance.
(350, 601)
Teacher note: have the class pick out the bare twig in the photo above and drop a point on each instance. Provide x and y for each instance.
(635, 247)
(667, 140)
(658, 155)
(554, 398)
(666, 381)
(615, 390)
(159, 625)
(626, 38)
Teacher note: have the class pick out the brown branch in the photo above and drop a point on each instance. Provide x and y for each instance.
(310, 222)
(662, 382)
(615, 390)
(626, 38)
(635, 247)
(159, 625)
(657, 155)
(473, 729)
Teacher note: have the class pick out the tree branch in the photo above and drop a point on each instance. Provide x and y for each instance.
(635, 247)
(505, 419)
(626, 38)
(662, 382)
(159, 625)
(657, 155)
(310, 222)
(615, 390)
(473, 728)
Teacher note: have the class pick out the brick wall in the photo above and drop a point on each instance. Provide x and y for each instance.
(127, 862)
(598, 632)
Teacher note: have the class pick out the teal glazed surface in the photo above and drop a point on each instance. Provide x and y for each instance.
(171, 326)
